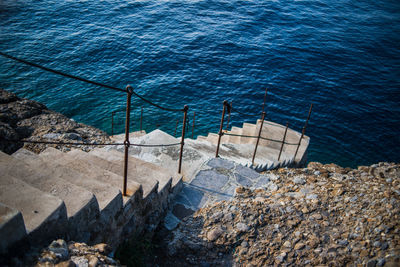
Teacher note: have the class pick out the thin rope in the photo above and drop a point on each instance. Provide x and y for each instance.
(61, 73)
(85, 80)
(264, 138)
(88, 144)
(245, 114)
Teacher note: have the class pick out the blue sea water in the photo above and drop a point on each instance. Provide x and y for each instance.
(342, 55)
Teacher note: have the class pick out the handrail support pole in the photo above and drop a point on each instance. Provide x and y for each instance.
(258, 137)
(220, 133)
(283, 140)
(185, 110)
(303, 132)
(129, 91)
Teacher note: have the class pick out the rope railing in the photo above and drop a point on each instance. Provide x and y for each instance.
(85, 80)
(129, 92)
(88, 144)
(245, 114)
(263, 138)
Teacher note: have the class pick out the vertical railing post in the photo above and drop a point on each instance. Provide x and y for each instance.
(229, 116)
(129, 91)
(303, 132)
(258, 137)
(283, 141)
(194, 117)
(265, 99)
(112, 123)
(141, 119)
(185, 110)
(220, 133)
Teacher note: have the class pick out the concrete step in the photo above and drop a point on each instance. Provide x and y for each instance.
(201, 138)
(234, 139)
(81, 204)
(12, 227)
(130, 210)
(213, 138)
(45, 216)
(142, 172)
(109, 197)
(114, 171)
(119, 138)
(249, 130)
(86, 164)
(159, 184)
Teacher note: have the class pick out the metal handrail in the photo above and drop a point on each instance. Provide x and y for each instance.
(129, 92)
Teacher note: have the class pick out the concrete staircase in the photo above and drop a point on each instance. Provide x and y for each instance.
(269, 145)
(238, 149)
(77, 196)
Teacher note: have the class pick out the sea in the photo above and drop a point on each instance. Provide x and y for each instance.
(342, 56)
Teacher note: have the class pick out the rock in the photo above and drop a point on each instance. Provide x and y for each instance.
(80, 261)
(299, 246)
(59, 248)
(371, 263)
(102, 248)
(299, 180)
(214, 233)
(287, 244)
(67, 263)
(241, 227)
(59, 254)
(281, 257)
(30, 120)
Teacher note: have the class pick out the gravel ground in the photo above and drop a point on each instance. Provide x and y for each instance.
(321, 215)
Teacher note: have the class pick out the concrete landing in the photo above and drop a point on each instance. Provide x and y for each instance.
(215, 181)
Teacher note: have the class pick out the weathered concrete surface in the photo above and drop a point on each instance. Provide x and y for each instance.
(12, 227)
(215, 181)
(82, 206)
(109, 198)
(45, 216)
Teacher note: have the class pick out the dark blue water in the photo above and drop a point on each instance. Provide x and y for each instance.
(342, 55)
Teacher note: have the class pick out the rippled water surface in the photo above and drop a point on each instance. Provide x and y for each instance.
(343, 56)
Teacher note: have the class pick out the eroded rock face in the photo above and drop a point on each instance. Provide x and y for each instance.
(320, 215)
(31, 120)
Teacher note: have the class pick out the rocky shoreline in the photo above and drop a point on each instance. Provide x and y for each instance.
(322, 215)
(30, 120)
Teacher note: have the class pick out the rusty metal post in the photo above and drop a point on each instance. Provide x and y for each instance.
(229, 116)
(112, 123)
(303, 132)
(283, 141)
(141, 119)
(258, 137)
(129, 91)
(194, 116)
(220, 133)
(185, 110)
(298, 145)
(176, 127)
(265, 98)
